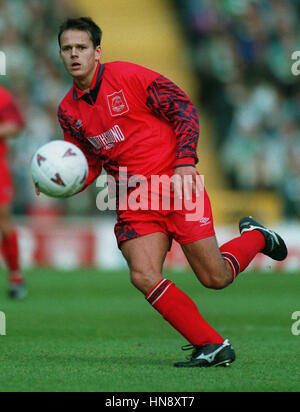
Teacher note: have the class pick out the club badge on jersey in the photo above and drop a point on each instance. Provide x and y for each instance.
(117, 104)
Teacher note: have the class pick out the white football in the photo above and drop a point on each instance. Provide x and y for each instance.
(59, 169)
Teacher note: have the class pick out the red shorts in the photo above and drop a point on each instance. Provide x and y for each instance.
(6, 184)
(185, 226)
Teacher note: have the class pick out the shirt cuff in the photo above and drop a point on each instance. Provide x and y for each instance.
(185, 161)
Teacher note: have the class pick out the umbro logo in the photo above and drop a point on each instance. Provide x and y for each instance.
(204, 221)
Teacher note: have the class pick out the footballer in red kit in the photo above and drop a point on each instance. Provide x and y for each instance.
(120, 131)
(124, 116)
(11, 122)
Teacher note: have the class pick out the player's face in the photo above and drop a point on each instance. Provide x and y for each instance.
(79, 55)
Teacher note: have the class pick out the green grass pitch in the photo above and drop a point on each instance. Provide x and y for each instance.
(91, 331)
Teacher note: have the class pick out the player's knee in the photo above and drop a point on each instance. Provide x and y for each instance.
(216, 281)
(144, 280)
(218, 284)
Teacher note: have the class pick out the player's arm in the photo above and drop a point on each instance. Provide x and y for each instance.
(167, 100)
(95, 163)
(11, 121)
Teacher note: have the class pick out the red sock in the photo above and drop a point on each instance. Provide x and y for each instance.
(10, 251)
(182, 313)
(241, 251)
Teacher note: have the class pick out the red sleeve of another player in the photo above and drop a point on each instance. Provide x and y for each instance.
(9, 111)
(167, 100)
(73, 136)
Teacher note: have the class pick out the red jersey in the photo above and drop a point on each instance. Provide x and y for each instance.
(132, 117)
(8, 112)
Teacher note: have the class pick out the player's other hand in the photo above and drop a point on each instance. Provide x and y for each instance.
(186, 181)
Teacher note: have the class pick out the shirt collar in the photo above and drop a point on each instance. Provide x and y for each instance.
(78, 94)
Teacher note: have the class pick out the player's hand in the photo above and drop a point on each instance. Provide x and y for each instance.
(37, 190)
(186, 181)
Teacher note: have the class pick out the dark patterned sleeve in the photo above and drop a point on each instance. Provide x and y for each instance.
(167, 100)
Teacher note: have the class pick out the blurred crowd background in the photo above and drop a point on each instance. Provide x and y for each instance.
(28, 37)
(241, 52)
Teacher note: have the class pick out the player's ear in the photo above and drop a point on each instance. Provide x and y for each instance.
(98, 53)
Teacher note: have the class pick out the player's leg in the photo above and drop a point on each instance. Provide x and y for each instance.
(8, 234)
(208, 264)
(214, 268)
(145, 256)
(217, 267)
(10, 251)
